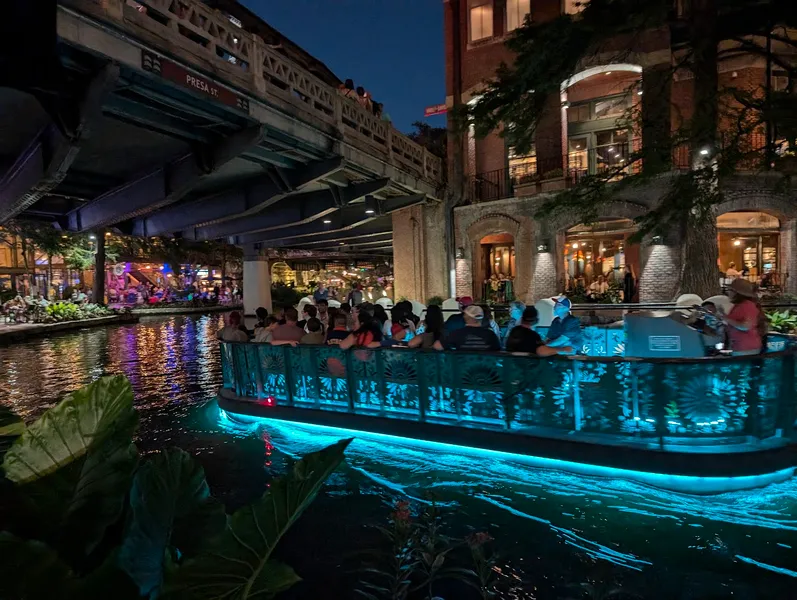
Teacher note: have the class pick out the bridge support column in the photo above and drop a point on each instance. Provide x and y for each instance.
(419, 252)
(257, 281)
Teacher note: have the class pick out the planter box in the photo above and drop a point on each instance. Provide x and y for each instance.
(553, 185)
(530, 188)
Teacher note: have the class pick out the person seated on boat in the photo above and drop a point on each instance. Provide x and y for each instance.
(523, 337)
(708, 320)
(565, 329)
(457, 321)
(315, 333)
(289, 331)
(516, 308)
(746, 322)
(338, 332)
(398, 337)
(262, 314)
(473, 337)
(232, 332)
(433, 330)
(366, 329)
(263, 334)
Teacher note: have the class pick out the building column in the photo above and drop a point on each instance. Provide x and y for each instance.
(788, 256)
(98, 295)
(660, 269)
(257, 281)
(420, 264)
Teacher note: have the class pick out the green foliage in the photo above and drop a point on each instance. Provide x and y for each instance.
(282, 295)
(434, 139)
(435, 301)
(417, 554)
(68, 311)
(171, 507)
(71, 535)
(252, 533)
(782, 322)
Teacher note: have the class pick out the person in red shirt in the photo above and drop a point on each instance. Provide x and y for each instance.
(744, 320)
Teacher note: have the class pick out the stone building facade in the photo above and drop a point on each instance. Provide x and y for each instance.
(581, 131)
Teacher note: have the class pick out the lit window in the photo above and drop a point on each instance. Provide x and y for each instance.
(516, 11)
(481, 22)
(571, 7)
(523, 168)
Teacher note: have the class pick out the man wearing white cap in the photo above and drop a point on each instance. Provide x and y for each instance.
(565, 329)
(473, 336)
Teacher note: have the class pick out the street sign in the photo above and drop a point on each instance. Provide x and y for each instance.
(435, 109)
(174, 72)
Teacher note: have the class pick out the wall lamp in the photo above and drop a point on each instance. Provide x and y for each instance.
(460, 252)
(542, 247)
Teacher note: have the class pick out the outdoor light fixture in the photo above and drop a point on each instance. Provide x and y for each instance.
(657, 240)
(565, 105)
(608, 72)
(542, 247)
(575, 245)
(327, 221)
(639, 93)
(704, 151)
(371, 205)
(737, 242)
(460, 252)
(91, 237)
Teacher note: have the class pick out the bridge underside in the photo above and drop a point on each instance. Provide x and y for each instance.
(108, 145)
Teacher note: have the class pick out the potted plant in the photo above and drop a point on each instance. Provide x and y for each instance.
(552, 180)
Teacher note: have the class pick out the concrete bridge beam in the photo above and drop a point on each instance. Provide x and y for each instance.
(277, 184)
(297, 210)
(46, 160)
(162, 186)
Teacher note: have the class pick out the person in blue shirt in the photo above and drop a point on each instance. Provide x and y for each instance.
(457, 321)
(321, 293)
(565, 329)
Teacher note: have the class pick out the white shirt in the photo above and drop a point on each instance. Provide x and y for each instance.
(232, 334)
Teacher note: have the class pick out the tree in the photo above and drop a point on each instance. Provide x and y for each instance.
(434, 139)
(717, 135)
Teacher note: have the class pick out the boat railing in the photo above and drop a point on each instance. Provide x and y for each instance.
(668, 404)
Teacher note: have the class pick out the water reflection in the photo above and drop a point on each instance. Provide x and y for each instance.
(551, 528)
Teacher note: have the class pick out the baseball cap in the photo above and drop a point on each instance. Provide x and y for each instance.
(474, 312)
(464, 301)
(564, 301)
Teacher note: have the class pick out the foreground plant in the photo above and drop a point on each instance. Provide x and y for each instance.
(83, 517)
(418, 556)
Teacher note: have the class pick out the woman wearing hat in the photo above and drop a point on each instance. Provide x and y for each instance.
(744, 321)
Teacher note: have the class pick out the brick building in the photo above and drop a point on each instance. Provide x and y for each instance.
(585, 129)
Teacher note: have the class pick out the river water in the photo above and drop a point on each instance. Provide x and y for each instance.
(551, 529)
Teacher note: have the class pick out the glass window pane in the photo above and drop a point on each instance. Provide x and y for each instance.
(516, 11)
(603, 138)
(481, 22)
(610, 107)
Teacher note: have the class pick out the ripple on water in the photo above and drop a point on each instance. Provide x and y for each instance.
(550, 526)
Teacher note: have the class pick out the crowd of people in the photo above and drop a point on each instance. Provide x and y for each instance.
(367, 325)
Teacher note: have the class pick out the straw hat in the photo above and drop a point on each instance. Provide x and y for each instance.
(743, 288)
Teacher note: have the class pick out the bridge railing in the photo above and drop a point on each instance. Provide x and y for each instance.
(666, 403)
(214, 44)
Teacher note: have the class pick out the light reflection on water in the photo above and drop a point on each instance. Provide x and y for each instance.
(550, 527)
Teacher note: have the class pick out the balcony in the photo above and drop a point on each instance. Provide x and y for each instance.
(535, 176)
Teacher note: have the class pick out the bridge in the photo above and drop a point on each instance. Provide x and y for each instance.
(172, 118)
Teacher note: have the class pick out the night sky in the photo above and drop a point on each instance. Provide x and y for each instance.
(393, 48)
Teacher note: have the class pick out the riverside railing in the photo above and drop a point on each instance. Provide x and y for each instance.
(669, 403)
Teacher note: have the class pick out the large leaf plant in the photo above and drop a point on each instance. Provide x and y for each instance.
(81, 516)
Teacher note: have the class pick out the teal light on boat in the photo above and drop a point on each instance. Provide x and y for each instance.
(237, 423)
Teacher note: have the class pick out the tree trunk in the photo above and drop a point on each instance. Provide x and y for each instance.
(99, 269)
(49, 275)
(699, 271)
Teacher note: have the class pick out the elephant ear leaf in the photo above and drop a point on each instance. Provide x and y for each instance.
(30, 569)
(11, 427)
(76, 461)
(237, 564)
(171, 506)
